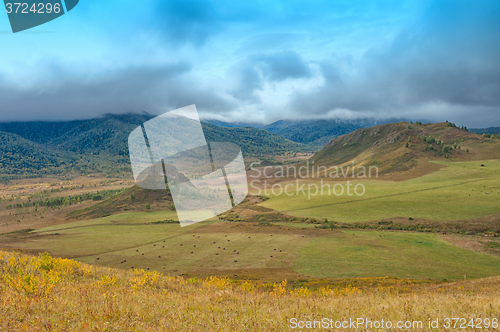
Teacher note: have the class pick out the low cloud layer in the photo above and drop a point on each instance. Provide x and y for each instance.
(251, 74)
(445, 67)
(259, 62)
(151, 89)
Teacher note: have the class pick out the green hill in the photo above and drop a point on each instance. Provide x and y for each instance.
(282, 124)
(385, 146)
(316, 132)
(132, 199)
(21, 156)
(254, 142)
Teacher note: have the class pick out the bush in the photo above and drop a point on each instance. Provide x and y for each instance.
(148, 206)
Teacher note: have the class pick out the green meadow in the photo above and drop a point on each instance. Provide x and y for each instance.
(210, 246)
(461, 190)
(166, 247)
(394, 254)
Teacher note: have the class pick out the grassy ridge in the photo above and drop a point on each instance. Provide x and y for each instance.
(399, 146)
(131, 199)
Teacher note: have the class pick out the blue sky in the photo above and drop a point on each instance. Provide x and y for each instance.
(258, 61)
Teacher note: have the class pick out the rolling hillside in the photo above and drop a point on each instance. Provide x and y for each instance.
(19, 156)
(132, 199)
(385, 146)
(282, 124)
(101, 145)
(318, 133)
(255, 143)
(430, 177)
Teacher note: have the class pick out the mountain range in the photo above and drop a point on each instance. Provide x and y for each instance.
(490, 130)
(101, 145)
(315, 133)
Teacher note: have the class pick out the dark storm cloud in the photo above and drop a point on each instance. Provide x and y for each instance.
(251, 73)
(194, 22)
(450, 58)
(152, 89)
(269, 41)
(247, 80)
(187, 21)
(282, 65)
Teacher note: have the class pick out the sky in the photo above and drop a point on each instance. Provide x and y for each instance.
(258, 61)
